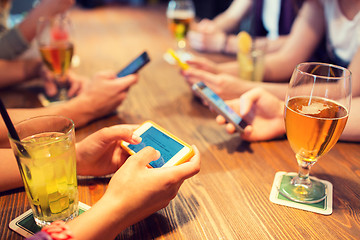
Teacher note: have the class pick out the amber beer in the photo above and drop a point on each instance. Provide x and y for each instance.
(313, 129)
(57, 57)
(179, 22)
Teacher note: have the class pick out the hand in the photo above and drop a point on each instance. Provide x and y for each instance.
(134, 192)
(100, 153)
(224, 85)
(102, 95)
(262, 111)
(75, 81)
(143, 191)
(206, 37)
(203, 64)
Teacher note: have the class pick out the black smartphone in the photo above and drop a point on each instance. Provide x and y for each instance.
(221, 108)
(135, 65)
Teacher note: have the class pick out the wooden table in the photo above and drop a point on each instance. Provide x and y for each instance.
(229, 198)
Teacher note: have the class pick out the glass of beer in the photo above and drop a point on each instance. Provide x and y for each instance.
(56, 50)
(47, 162)
(316, 111)
(180, 14)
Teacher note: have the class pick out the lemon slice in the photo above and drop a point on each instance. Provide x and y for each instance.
(245, 42)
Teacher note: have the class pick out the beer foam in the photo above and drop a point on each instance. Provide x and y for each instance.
(314, 108)
(180, 14)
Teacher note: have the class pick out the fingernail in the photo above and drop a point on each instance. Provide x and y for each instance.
(136, 138)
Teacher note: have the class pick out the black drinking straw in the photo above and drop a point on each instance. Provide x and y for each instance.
(11, 128)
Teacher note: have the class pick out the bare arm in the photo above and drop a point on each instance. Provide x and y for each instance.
(228, 20)
(13, 72)
(9, 172)
(45, 8)
(304, 37)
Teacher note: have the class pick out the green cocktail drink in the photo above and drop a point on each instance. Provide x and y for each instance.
(48, 168)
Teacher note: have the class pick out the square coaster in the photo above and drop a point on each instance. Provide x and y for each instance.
(25, 224)
(323, 207)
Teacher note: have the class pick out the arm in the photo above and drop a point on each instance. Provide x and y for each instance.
(304, 37)
(16, 40)
(16, 71)
(230, 18)
(103, 95)
(46, 8)
(352, 130)
(9, 172)
(98, 154)
(124, 203)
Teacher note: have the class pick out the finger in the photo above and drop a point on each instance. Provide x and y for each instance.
(230, 128)
(145, 156)
(196, 75)
(126, 81)
(220, 119)
(189, 168)
(116, 133)
(74, 89)
(50, 88)
(247, 100)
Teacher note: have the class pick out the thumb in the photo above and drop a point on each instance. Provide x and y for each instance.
(248, 99)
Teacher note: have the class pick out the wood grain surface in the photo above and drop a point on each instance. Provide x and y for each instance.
(229, 198)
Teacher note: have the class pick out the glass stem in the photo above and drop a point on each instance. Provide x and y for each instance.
(304, 170)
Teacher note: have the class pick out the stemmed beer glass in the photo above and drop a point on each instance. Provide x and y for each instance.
(56, 49)
(180, 14)
(316, 111)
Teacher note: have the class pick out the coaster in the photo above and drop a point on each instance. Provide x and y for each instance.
(324, 207)
(25, 224)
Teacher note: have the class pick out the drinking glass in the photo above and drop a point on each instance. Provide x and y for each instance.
(56, 49)
(180, 14)
(47, 162)
(316, 111)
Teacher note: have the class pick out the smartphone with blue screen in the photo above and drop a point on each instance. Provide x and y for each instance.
(220, 107)
(135, 65)
(173, 150)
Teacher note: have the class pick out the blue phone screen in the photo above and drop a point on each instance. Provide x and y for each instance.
(166, 145)
(135, 65)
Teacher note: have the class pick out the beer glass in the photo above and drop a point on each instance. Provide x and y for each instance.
(316, 110)
(56, 49)
(180, 14)
(47, 163)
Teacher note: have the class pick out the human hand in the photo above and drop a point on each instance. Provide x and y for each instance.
(206, 36)
(134, 192)
(262, 111)
(203, 64)
(104, 94)
(101, 153)
(224, 85)
(141, 191)
(75, 82)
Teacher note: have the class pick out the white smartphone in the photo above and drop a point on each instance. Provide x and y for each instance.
(221, 108)
(173, 150)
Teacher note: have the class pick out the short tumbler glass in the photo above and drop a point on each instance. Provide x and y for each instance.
(47, 162)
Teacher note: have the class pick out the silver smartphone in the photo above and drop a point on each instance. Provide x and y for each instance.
(221, 108)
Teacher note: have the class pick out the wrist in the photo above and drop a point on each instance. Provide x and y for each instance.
(101, 221)
(79, 109)
(58, 231)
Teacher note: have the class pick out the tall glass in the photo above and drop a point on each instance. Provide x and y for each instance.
(316, 111)
(180, 15)
(46, 159)
(56, 49)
